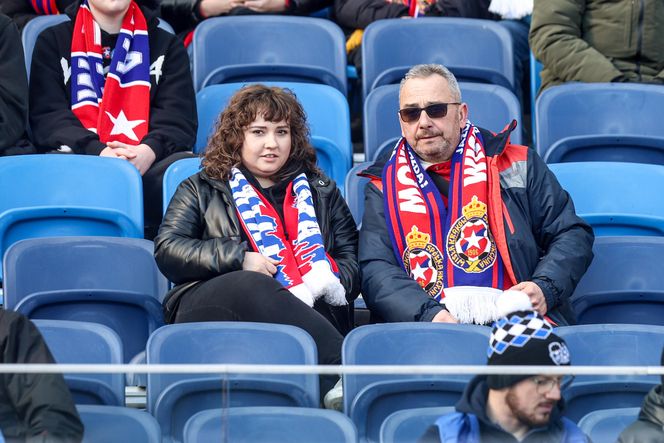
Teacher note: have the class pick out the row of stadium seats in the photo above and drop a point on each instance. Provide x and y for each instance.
(368, 398)
(106, 424)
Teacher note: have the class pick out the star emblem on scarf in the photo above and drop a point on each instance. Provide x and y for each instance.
(121, 125)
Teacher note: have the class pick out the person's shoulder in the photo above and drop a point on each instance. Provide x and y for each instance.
(4, 22)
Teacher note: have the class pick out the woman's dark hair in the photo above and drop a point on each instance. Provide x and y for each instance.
(274, 104)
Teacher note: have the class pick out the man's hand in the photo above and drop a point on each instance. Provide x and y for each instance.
(122, 153)
(141, 156)
(535, 295)
(265, 5)
(444, 316)
(253, 261)
(213, 8)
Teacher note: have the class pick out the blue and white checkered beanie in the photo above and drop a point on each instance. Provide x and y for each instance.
(523, 338)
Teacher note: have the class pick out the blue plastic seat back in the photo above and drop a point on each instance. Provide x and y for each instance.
(610, 345)
(490, 107)
(238, 49)
(270, 424)
(91, 343)
(535, 83)
(110, 424)
(580, 122)
(107, 280)
(624, 283)
(370, 398)
(173, 398)
(410, 424)
(608, 424)
(616, 198)
(327, 112)
(175, 174)
(355, 185)
(474, 50)
(66, 195)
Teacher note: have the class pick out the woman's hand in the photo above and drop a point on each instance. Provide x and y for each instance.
(213, 8)
(265, 5)
(253, 261)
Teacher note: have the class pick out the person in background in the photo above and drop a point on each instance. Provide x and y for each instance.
(22, 11)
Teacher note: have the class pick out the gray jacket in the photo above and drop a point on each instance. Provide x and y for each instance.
(649, 428)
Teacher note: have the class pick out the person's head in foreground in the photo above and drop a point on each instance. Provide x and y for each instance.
(498, 406)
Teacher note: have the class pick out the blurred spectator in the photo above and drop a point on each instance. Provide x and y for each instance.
(33, 407)
(456, 206)
(598, 40)
(13, 91)
(22, 11)
(184, 15)
(511, 408)
(134, 100)
(649, 428)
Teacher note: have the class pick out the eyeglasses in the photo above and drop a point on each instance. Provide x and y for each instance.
(437, 110)
(544, 385)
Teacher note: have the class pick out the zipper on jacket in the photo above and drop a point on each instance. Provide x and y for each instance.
(639, 39)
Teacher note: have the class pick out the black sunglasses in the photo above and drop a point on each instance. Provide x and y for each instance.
(437, 110)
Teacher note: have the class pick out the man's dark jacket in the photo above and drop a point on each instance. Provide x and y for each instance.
(173, 122)
(33, 407)
(535, 228)
(201, 238)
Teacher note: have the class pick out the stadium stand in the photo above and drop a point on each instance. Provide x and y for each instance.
(355, 191)
(176, 173)
(579, 122)
(110, 424)
(616, 198)
(491, 107)
(607, 424)
(270, 424)
(409, 425)
(269, 47)
(83, 342)
(369, 399)
(68, 195)
(624, 283)
(107, 280)
(174, 398)
(474, 50)
(610, 345)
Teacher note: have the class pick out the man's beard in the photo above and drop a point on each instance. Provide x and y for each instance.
(527, 417)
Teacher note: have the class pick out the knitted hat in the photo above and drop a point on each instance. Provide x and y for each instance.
(523, 338)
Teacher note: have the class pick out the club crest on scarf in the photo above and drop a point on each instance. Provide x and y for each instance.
(423, 261)
(117, 107)
(469, 243)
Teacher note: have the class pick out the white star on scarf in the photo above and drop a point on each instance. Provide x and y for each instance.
(418, 272)
(123, 126)
(473, 240)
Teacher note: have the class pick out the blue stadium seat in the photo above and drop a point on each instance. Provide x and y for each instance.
(111, 424)
(610, 345)
(176, 173)
(370, 398)
(36, 25)
(580, 122)
(607, 424)
(65, 195)
(535, 83)
(616, 198)
(173, 398)
(82, 342)
(269, 47)
(409, 425)
(624, 283)
(107, 280)
(270, 424)
(327, 114)
(474, 50)
(491, 107)
(355, 191)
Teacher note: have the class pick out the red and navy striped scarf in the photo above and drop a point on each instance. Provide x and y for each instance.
(117, 107)
(443, 246)
(45, 7)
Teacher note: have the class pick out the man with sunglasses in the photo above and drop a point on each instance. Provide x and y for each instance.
(455, 206)
(510, 408)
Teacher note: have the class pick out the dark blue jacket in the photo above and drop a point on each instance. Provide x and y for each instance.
(533, 222)
(470, 424)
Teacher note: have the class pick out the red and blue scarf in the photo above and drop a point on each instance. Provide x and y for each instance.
(441, 246)
(45, 7)
(304, 266)
(116, 108)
